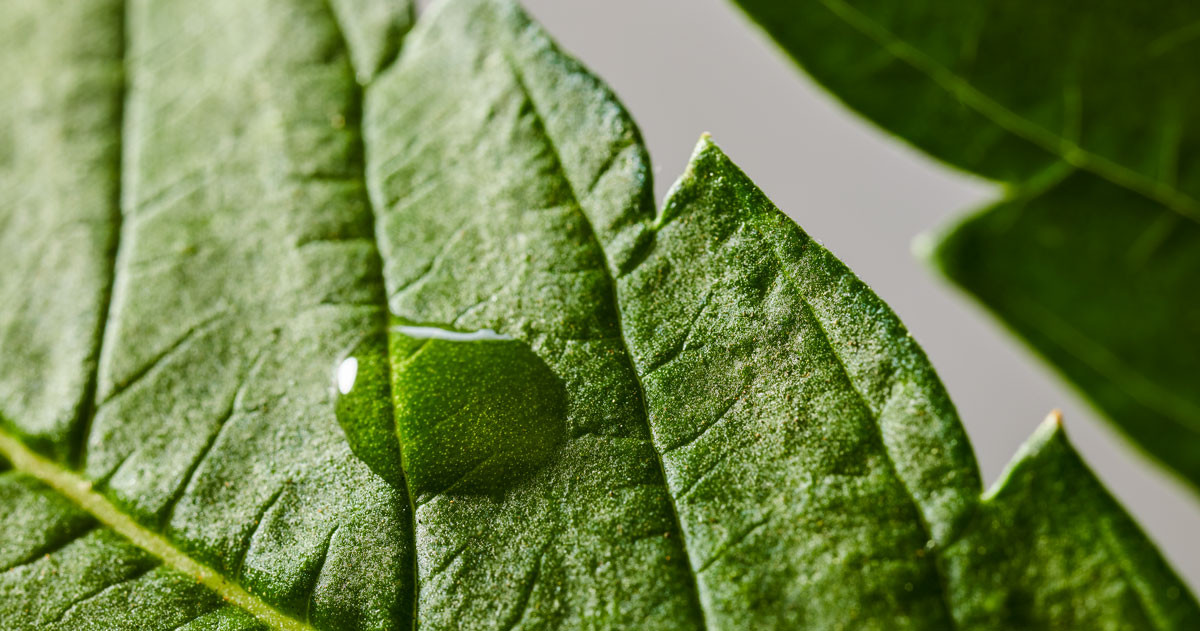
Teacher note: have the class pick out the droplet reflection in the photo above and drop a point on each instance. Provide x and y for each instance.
(346, 374)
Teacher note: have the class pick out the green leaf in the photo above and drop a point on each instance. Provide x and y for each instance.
(403, 341)
(1088, 118)
(72, 560)
(245, 265)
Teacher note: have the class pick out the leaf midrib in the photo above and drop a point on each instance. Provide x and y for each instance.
(1056, 144)
(369, 203)
(80, 492)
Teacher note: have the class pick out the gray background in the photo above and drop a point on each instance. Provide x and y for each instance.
(683, 67)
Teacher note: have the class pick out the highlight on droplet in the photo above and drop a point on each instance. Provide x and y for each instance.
(347, 372)
(436, 333)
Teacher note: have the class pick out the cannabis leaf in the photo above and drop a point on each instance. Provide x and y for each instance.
(1088, 117)
(396, 337)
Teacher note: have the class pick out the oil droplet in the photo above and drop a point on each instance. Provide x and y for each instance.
(364, 408)
(475, 411)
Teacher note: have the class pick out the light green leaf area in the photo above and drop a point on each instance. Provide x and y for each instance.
(397, 338)
(1089, 117)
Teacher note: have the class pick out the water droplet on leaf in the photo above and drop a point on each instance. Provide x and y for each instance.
(475, 411)
(464, 412)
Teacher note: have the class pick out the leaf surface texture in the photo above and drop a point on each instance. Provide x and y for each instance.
(725, 427)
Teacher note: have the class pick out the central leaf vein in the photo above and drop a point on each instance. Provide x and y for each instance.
(369, 203)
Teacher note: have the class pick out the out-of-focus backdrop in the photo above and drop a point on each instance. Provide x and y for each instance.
(683, 67)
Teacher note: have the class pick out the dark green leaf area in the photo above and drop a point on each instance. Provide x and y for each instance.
(1006, 89)
(1100, 281)
(473, 417)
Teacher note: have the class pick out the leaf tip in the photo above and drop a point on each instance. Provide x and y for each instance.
(1047, 444)
(1051, 430)
(703, 146)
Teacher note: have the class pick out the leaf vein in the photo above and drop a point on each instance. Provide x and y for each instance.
(50, 549)
(519, 79)
(850, 380)
(92, 595)
(180, 344)
(371, 202)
